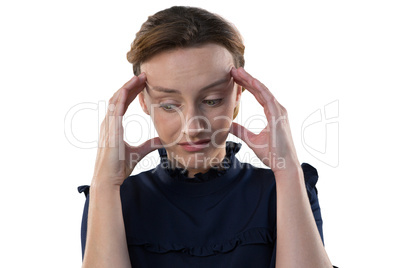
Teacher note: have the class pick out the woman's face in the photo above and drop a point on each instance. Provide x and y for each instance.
(191, 96)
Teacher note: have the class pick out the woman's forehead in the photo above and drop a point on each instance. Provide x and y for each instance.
(189, 61)
(192, 69)
(220, 84)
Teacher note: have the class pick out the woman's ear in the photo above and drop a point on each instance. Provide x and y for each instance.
(239, 90)
(143, 103)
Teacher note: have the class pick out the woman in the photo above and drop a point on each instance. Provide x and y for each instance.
(200, 207)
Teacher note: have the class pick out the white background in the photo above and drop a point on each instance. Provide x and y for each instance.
(344, 54)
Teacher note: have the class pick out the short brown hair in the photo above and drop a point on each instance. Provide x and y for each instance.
(184, 27)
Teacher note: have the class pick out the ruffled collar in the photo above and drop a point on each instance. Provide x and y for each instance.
(181, 174)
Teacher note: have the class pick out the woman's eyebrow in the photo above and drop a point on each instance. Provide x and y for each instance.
(175, 91)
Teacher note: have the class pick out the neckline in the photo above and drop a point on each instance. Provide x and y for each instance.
(203, 183)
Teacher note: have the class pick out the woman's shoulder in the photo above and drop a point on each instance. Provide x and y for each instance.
(131, 181)
(310, 174)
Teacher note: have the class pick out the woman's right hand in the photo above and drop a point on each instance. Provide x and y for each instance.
(115, 158)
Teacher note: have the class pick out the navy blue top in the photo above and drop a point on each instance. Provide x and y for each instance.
(225, 217)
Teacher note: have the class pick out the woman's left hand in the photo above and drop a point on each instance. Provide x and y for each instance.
(274, 144)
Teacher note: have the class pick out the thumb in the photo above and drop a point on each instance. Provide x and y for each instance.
(241, 132)
(139, 152)
(149, 146)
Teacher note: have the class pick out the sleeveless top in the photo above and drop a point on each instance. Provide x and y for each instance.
(225, 217)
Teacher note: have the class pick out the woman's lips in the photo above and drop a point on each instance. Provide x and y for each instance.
(195, 146)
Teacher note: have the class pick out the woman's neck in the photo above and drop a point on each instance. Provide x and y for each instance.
(202, 166)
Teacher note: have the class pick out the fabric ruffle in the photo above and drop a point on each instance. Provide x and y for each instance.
(310, 176)
(251, 236)
(84, 188)
(310, 173)
(181, 174)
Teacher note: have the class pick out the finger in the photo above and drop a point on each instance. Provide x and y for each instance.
(133, 87)
(134, 84)
(121, 102)
(243, 82)
(242, 133)
(256, 83)
(137, 90)
(259, 90)
(128, 84)
(114, 119)
(113, 128)
(146, 147)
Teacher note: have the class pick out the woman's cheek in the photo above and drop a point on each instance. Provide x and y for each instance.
(167, 120)
(224, 111)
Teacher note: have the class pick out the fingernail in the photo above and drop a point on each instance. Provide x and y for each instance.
(142, 75)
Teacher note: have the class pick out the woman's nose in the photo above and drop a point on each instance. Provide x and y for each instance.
(195, 124)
